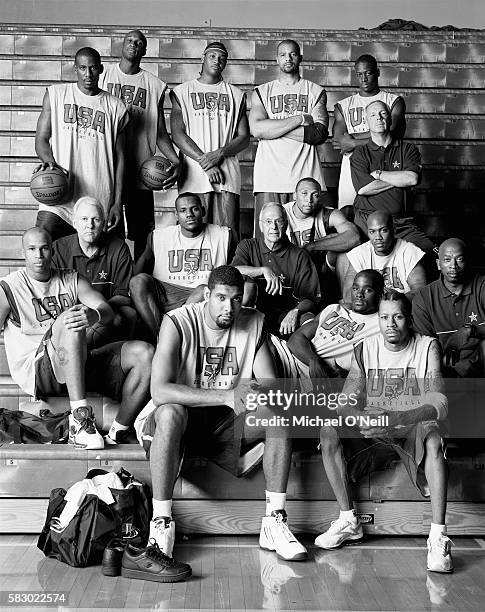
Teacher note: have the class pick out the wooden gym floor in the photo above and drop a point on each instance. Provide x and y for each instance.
(232, 573)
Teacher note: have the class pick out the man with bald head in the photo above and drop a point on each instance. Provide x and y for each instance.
(45, 314)
(396, 259)
(286, 278)
(452, 309)
(382, 172)
(143, 94)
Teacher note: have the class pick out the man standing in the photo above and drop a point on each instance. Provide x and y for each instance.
(383, 170)
(289, 118)
(143, 94)
(46, 313)
(80, 130)
(209, 355)
(104, 260)
(350, 128)
(210, 127)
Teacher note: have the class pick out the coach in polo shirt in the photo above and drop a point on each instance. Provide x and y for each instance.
(104, 260)
(452, 309)
(285, 275)
(382, 172)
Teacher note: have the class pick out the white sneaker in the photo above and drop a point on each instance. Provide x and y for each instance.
(276, 535)
(162, 530)
(339, 532)
(439, 554)
(82, 429)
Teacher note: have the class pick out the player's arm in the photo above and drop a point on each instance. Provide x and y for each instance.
(179, 131)
(43, 135)
(345, 238)
(416, 279)
(242, 261)
(315, 133)
(396, 178)
(122, 274)
(422, 321)
(164, 143)
(354, 389)
(4, 307)
(115, 212)
(93, 308)
(364, 183)
(165, 366)
(347, 284)
(300, 345)
(341, 139)
(268, 129)
(307, 291)
(398, 118)
(146, 261)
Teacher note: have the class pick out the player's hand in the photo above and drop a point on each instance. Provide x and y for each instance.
(210, 159)
(114, 217)
(174, 170)
(237, 396)
(308, 120)
(51, 165)
(459, 339)
(290, 322)
(274, 284)
(79, 317)
(215, 175)
(344, 143)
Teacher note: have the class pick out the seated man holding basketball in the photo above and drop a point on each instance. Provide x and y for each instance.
(45, 314)
(104, 260)
(177, 261)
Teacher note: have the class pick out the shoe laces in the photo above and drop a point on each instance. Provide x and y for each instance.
(442, 543)
(282, 523)
(155, 552)
(338, 524)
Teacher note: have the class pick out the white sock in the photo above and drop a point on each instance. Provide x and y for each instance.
(162, 507)
(78, 403)
(348, 515)
(115, 426)
(437, 530)
(274, 501)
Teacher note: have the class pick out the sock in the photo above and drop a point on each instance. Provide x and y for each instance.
(348, 515)
(274, 501)
(437, 530)
(78, 403)
(115, 427)
(162, 507)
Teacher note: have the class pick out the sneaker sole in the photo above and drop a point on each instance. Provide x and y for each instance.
(347, 542)
(441, 571)
(142, 575)
(111, 571)
(298, 557)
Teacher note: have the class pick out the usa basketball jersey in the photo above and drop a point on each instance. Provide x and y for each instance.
(216, 358)
(353, 112)
(34, 306)
(281, 162)
(303, 231)
(394, 379)
(185, 261)
(395, 267)
(84, 133)
(141, 93)
(211, 114)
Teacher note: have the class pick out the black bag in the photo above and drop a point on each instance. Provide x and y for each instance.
(95, 523)
(24, 428)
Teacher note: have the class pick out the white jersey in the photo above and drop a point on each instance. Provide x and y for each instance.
(34, 306)
(216, 358)
(353, 112)
(211, 115)
(394, 379)
(188, 262)
(395, 267)
(303, 231)
(83, 139)
(141, 93)
(281, 162)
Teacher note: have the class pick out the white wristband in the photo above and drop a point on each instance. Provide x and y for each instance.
(99, 315)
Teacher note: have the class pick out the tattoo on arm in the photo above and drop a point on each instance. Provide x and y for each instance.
(63, 356)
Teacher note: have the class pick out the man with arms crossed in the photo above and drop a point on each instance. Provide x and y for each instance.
(289, 118)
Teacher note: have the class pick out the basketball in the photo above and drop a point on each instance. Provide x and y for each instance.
(154, 171)
(49, 186)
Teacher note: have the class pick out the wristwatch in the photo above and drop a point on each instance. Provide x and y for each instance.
(378, 174)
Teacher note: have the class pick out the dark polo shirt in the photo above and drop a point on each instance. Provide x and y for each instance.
(109, 271)
(300, 278)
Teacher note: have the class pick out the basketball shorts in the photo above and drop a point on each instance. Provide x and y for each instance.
(55, 225)
(103, 372)
(168, 296)
(222, 208)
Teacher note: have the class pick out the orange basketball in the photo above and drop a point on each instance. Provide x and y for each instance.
(154, 171)
(49, 186)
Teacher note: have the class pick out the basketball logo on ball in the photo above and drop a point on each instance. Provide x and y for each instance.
(49, 186)
(154, 171)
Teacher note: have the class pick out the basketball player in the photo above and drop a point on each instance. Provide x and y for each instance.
(210, 127)
(289, 118)
(208, 357)
(397, 260)
(45, 313)
(177, 262)
(143, 94)
(80, 129)
(397, 375)
(350, 129)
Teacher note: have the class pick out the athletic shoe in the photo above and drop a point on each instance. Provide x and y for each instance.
(274, 573)
(162, 531)
(82, 429)
(119, 438)
(339, 532)
(113, 553)
(439, 554)
(251, 459)
(151, 563)
(276, 535)
(343, 563)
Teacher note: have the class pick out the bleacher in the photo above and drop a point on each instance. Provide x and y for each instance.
(441, 76)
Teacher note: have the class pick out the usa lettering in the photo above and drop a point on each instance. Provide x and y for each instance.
(218, 360)
(210, 100)
(198, 259)
(85, 117)
(135, 96)
(301, 238)
(51, 306)
(341, 326)
(289, 103)
(393, 382)
(356, 116)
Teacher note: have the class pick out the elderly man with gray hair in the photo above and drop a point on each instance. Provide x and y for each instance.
(285, 276)
(104, 260)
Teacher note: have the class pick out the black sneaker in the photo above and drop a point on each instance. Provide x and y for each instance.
(151, 563)
(113, 553)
